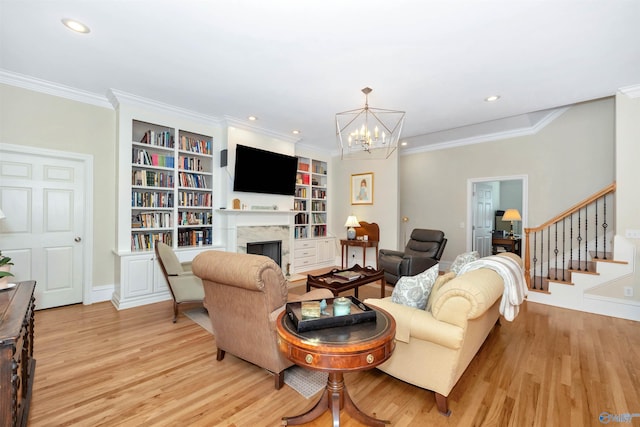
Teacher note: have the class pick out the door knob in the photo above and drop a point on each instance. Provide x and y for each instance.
(78, 239)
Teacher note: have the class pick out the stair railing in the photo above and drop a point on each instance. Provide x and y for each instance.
(567, 242)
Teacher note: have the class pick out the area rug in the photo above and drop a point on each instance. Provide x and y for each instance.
(306, 382)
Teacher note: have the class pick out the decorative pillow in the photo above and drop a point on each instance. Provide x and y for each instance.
(463, 259)
(413, 291)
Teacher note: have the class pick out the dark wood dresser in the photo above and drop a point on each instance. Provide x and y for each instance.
(17, 365)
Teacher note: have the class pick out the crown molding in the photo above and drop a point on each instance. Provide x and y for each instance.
(630, 91)
(244, 125)
(536, 127)
(117, 98)
(50, 88)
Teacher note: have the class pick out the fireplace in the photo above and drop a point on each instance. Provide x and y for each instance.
(272, 249)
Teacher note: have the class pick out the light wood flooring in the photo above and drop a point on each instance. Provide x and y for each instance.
(97, 366)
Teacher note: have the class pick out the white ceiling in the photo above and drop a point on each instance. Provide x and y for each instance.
(294, 64)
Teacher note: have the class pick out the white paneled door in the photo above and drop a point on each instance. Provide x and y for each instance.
(482, 218)
(42, 197)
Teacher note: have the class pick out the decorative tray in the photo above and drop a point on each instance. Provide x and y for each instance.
(359, 313)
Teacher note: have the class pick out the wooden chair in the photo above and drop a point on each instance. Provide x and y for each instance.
(185, 287)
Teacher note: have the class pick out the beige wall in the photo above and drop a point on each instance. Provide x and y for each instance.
(570, 159)
(386, 199)
(39, 120)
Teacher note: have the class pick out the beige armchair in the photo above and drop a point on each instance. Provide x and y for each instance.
(244, 295)
(185, 287)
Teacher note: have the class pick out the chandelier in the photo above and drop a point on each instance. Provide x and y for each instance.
(372, 131)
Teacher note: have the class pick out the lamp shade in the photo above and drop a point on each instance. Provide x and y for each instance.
(2, 214)
(511, 215)
(352, 221)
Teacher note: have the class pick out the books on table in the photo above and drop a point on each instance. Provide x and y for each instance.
(348, 275)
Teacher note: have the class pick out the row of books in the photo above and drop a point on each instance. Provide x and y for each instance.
(301, 192)
(192, 180)
(299, 205)
(191, 163)
(318, 193)
(195, 237)
(147, 178)
(319, 231)
(194, 199)
(194, 218)
(145, 241)
(195, 145)
(300, 233)
(317, 205)
(301, 218)
(159, 138)
(151, 220)
(319, 218)
(143, 157)
(147, 199)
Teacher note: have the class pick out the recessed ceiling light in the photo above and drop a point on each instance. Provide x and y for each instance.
(404, 143)
(492, 98)
(76, 26)
(296, 132)
(253, 118)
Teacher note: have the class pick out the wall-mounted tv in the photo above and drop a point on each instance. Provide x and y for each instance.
(261, 171)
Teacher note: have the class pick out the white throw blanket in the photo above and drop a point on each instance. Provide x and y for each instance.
(513, 277)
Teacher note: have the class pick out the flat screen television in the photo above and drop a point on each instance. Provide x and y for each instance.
(261, 171)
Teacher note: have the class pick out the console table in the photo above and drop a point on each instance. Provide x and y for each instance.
(17, 364)
(372, 231)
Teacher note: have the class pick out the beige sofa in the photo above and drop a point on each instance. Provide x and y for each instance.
(435, 346)
(244, 295)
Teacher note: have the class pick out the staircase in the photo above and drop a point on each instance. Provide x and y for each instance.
(571, 258)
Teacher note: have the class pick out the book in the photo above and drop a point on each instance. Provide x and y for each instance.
(348, 275)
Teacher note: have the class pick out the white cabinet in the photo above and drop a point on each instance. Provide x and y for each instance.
(311, 254)
(139, 281)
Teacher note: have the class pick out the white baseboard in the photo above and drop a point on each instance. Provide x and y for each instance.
(100, 294)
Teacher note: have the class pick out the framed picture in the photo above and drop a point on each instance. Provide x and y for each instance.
(362, 188)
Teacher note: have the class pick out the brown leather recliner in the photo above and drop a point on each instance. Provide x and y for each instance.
(423, 251)
(244, 295)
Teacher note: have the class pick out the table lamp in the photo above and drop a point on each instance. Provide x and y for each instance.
(511, 215)
(352, 222)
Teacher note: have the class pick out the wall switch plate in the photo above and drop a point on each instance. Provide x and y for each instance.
(628, 291)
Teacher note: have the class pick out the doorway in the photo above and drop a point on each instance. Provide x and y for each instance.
(46, 197)
(487, 195)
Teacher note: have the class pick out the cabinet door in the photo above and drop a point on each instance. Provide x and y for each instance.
(325, 252)
(138, 274)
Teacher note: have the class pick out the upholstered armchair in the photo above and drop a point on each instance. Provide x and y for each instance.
(244, 295)
(423, 251)
(185, 287)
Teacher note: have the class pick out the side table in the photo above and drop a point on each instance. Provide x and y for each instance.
(364, 244)
(337, 350)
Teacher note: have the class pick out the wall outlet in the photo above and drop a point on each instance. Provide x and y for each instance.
(632, 234)
(628, 291)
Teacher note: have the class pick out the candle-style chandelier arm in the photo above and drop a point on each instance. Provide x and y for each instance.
(374, 131)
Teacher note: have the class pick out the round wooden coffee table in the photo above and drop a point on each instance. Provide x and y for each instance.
(336, 351)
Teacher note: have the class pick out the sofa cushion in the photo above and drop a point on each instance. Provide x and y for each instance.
(413, 291)
(463, 259)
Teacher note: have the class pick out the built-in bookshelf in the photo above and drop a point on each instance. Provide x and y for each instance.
(310, 200)
(171, 187)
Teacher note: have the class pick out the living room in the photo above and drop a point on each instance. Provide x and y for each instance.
(429, 187)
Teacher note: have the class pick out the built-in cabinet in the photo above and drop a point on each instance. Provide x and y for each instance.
(312, 247)
(171, 187)
(311, 254)
(167, 183)
(310, 201)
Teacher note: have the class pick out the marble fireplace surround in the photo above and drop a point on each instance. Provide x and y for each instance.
(250, 226)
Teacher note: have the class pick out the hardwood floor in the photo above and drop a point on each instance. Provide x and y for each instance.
(97, 366)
